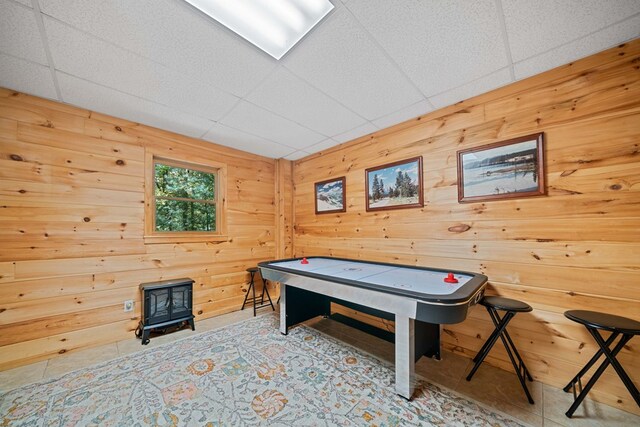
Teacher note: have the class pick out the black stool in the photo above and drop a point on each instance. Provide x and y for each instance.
(254, 299)
(511, 306)
(617, 325)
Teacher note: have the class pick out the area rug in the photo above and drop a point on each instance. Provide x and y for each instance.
(243, 374)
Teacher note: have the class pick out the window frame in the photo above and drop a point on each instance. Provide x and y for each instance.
(151, 235)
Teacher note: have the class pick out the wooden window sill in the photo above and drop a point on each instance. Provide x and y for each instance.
(184, 238)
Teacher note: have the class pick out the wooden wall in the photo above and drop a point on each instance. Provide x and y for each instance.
(71, 227)
(577, 248)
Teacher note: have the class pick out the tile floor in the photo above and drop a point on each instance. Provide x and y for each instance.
(490, 386)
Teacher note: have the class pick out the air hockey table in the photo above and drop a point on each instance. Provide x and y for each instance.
(419, 299)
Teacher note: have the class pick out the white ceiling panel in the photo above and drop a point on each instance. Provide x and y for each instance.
(91, 59)
(297, 155)
(234, 138)
(258, 121)
(355, 133)
(369, 65)
(173, 33)
(600, 40)
(439, 40)
(322, 145)
(289, 96)
(417, 109)
(341, 59)
(538, 26)
(26, 76)
(88, 95)
(19, 33)
(476, 87)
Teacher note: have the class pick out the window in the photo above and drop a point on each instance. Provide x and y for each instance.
(183, 201)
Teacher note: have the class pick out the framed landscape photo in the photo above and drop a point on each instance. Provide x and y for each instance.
(503, 170)
(330, 196)
(395, 185)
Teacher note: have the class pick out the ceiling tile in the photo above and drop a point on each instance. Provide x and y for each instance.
(322, 145)
(257, 121)
(289, 96)
(537, 26)
(355, 133)
(415, 110)
(239, 140)
(173, 33)
(108, 101)
(580, 48)
(91, 59)
(477, 87)
(25, 76)
(19, 33)
(296, 155)
(340, 58)
(438, 44)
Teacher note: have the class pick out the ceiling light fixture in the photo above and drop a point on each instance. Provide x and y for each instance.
(274, 26)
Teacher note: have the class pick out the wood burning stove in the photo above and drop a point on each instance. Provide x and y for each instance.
(166, 303)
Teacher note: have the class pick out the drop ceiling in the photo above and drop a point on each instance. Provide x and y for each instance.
(368, 65)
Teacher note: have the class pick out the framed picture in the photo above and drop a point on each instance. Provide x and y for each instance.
(504, 170)
(330, 196)
(395, 185)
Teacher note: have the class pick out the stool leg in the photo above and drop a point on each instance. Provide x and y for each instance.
(611, 356)
(515, 351)
(254, 296)
(490, 342)
(248, 290)
(596, 375)
(510, 347)
(590, 363)
(265, 289)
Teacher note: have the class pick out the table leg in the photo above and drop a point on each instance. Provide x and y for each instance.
(405, 354)
(283, 309)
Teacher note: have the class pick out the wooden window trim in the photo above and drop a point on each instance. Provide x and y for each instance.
(152, 236)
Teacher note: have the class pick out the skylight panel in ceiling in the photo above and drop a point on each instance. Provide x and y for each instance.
(274, 26)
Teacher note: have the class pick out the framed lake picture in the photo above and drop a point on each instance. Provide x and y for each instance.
(330, 196)
(507, 169)
(395, 185)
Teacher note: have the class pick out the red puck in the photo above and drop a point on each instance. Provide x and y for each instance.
(304, 261)
(450, 278)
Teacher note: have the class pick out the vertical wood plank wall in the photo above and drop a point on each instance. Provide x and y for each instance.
(577, 248)
(71, 227)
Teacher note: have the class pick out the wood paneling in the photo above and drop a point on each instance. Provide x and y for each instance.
(577, 247)
(72, 225)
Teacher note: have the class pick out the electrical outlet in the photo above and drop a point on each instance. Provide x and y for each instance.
(128, 305)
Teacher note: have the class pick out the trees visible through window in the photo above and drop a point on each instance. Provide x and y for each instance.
(185, 197)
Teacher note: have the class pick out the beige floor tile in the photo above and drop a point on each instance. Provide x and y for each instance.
(491, 384)
(23, 375)
(589, 414)
(448, 371)
(80, 359)
(548, 423)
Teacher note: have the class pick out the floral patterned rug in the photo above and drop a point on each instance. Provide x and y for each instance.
(243, 374)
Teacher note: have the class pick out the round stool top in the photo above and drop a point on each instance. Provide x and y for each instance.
(608, 322)
(252, 269)
(506, 304)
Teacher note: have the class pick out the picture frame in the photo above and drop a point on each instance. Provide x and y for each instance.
(503, 170)
(330, 195)
(396, 185)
